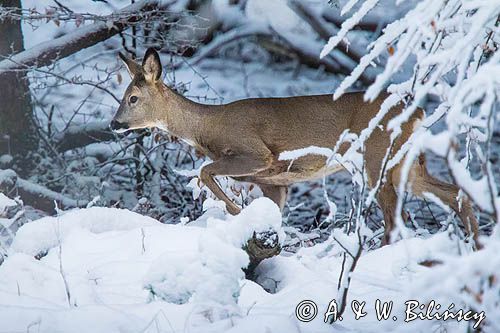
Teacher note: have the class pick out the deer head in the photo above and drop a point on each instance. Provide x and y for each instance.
(143, 102)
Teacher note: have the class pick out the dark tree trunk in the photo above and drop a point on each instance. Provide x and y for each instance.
(18, 135)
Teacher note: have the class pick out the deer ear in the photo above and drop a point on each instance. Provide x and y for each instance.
(151, 65)
(133, 68)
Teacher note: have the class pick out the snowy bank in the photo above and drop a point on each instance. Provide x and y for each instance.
(125, 268)
(111, 270)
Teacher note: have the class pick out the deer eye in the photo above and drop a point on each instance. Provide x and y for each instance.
(133, 99)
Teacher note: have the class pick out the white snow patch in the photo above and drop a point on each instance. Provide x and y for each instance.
(6, 202)
(108, 270)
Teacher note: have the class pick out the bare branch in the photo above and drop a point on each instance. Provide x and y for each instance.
(83, 135)
(304, 54)
(46, 53)
(35, 195)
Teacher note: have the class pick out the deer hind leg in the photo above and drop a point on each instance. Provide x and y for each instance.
(387, 199)
(276, 193)
(422, 182)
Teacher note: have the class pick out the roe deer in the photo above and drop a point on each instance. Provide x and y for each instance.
(245, 138)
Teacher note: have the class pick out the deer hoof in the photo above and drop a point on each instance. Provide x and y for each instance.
(233, 209)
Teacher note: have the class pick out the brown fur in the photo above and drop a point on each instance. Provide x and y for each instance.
(245, 138)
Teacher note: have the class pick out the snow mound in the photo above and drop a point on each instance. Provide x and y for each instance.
(124, 263)
(111, 270)
(46, 233)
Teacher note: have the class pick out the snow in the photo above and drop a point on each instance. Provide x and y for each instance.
(108, 270)
(6, 202)
(277, 15)
(115, 261)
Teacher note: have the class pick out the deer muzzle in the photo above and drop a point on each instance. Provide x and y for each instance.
(118, 127)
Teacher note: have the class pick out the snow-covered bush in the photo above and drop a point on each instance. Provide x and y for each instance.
(467, 280)
(452, 46)
(454, 49)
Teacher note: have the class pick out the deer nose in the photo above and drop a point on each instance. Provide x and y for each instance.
(116, 125)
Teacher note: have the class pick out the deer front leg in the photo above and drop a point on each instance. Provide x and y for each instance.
(232, 166)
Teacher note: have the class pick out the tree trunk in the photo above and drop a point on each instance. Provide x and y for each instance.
(18, 135)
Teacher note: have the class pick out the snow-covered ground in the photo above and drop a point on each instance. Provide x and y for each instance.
(111, 270)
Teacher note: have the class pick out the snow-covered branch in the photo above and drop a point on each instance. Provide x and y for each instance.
(48, 52)
(36, 195)
(458, 65)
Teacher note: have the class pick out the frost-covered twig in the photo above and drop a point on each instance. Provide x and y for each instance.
(322, 28)
(63, 275)
(46, 53)
(352, 252)
(372, 24)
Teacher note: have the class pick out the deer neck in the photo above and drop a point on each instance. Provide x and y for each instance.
(180, 116)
